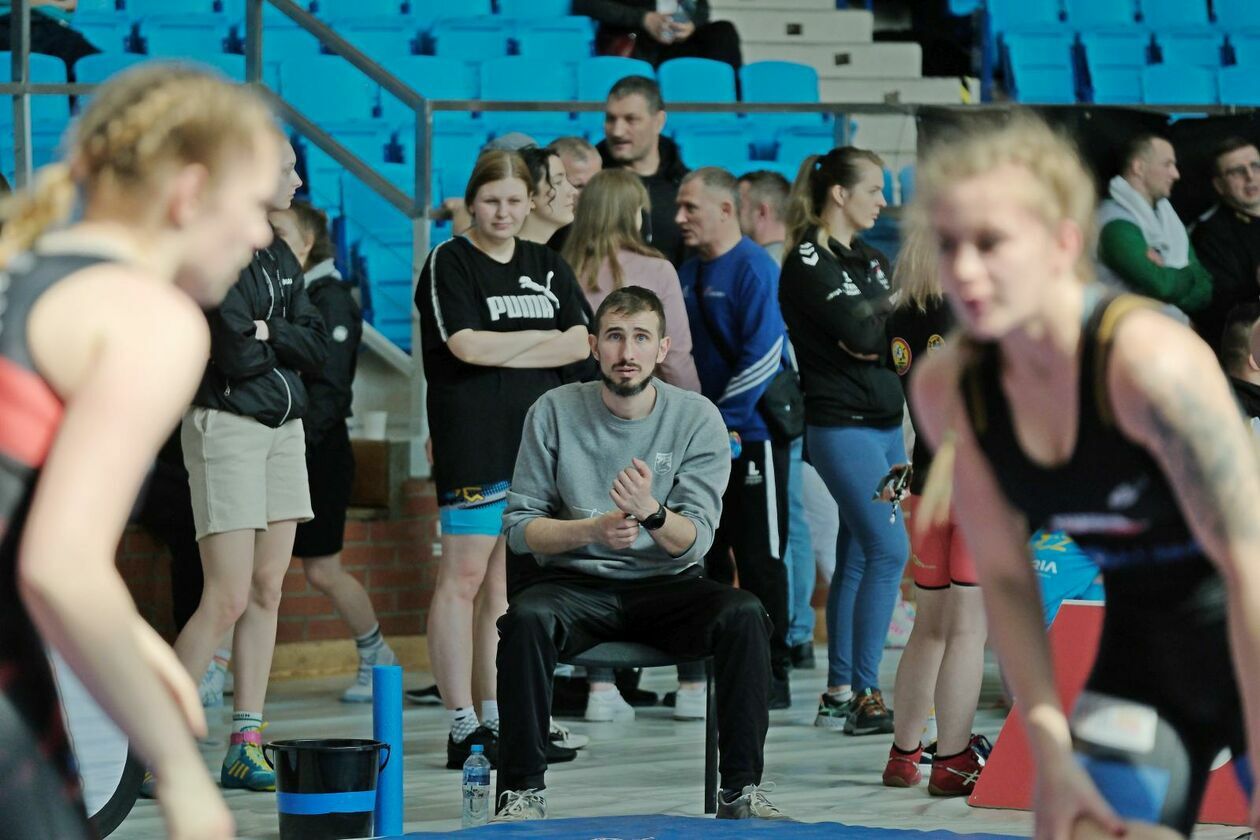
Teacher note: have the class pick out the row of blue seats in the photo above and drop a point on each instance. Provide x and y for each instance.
(1060, 68)
(1156, 84)
(1228, 15)
(565, 37)
(419, 9)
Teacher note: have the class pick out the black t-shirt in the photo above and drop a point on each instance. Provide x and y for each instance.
(911, 335)
(476, 412)
(1228, 245)
(833, 298)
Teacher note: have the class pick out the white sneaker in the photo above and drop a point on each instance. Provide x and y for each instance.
(360, 691)
(608, 707)
(521, 805)
(561, 736)
(211, 687)
(691, 704)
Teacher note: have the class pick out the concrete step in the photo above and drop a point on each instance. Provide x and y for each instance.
(886, 133)
(843, 60)
(791, 27)
(719, 6)
(933, 90)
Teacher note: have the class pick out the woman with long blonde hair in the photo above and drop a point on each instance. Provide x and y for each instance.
(102, 344)
(1063, 406)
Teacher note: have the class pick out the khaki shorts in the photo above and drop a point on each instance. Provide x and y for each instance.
(243, 474)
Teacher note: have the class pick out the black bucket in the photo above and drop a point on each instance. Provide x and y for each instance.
(326, 787)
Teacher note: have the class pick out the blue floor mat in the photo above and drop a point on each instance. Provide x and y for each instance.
(665, 828)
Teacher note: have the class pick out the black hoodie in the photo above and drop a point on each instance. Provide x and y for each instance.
(659, 227)
(262, 379)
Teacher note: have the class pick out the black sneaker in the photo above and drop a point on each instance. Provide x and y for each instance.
(832, 712)
(457, 752)
(627, 682)
(429, 696)
(780, 692)
(802, 656)
(557, 754)
(869, 715)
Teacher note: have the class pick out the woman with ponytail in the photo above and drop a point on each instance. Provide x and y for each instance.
(836, 299)
(1064, 406)
(102, 343)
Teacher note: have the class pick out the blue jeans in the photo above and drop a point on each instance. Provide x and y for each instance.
(800, 557)
(871, 552)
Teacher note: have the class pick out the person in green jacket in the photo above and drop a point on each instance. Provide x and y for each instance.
(1142, 243)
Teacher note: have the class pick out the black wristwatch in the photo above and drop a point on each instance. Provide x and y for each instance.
(654, 521)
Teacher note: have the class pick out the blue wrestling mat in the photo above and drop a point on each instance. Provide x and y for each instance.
(666, 828)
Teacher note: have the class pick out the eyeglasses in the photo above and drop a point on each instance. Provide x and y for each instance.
(1243, 171)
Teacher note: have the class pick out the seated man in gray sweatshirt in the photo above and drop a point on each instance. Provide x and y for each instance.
(616, 495)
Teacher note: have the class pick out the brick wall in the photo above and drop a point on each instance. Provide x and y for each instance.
(392, 556)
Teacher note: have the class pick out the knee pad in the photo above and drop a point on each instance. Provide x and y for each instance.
(1136, 758)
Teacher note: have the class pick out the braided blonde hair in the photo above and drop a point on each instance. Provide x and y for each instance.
(138, 125)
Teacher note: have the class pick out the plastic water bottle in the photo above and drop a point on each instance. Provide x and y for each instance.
(476, 788)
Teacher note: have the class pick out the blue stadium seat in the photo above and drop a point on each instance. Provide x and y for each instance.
(1039, 67)
(190, 36)
(436, 78)
(1197, 48)
(697, 80)
(780, 81)
(324, 175)
(1116, 85)
(282, 37)
(534, 8)
(1100, 14)
(517, 78)
(1172, 84)
(472, 39)
(1116, 48)
(328, 89)
(144, 8)
(1044, 85)
(1234, 15)
(794, 148)
(1246, 49)
(232, 66)
(1162, 15)
(434, 10)
(596, 76)
(1006, 15)
(905, 180)
(382, 39)
(334, 9)
(108, 32)
(557, 39)
(93, 69)
(1239, 85)
(728, 148)
(48, 111)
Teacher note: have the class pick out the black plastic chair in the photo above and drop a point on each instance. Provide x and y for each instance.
(635, 655)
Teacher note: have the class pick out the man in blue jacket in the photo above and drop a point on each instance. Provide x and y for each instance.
(731, 289)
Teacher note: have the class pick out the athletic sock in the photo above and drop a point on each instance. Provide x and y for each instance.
(222, 657)
(899, 751)
(246, 721)
(844, 695)
(370, 642)
(463, 722)
(490, 715)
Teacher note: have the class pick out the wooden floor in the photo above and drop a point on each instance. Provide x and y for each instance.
(653, 765)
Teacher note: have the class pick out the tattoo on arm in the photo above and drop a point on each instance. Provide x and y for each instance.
(1212, 468)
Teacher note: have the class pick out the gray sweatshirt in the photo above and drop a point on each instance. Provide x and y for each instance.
(572, 449)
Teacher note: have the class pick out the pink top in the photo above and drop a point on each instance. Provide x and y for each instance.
(659, 276)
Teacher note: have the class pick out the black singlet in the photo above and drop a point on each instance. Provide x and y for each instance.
(34, 749)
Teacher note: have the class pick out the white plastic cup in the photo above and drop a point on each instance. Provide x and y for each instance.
(374, 424)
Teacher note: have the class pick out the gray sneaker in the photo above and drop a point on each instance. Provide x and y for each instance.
(752, 804)
(521, 805)
(360, 691)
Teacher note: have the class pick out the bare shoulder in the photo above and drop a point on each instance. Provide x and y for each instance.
(934, 388)
(115, 309)
(1152, 357)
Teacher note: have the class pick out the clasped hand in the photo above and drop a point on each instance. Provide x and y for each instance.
(632, 494)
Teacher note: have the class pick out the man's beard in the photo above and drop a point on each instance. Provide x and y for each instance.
(626, 389)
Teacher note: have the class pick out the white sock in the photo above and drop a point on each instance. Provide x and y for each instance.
(844, 694)
(245, 721)
(490, 713)
(222, 657)
(463, 722)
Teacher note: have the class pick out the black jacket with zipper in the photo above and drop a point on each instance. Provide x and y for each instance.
(263, 379)
(331, 390)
